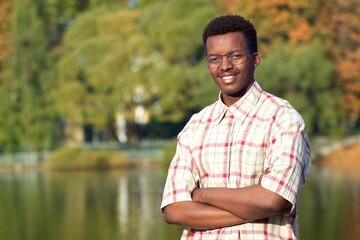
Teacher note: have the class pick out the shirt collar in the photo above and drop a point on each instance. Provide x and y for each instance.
(242, 107)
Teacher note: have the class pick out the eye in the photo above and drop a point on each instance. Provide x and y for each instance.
(213, 59)
(236, 56)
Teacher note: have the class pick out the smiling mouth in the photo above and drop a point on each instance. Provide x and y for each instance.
(228, 79)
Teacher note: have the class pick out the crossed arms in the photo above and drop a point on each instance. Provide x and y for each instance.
(222, 207)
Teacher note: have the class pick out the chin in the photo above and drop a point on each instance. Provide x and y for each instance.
(235, 93)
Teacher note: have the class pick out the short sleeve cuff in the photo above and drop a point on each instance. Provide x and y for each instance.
(175, 196)
(279, 187)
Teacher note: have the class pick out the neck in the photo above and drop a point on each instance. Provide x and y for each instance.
(230, 99)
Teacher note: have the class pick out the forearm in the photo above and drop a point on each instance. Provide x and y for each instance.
(199, 216)
(249, 203)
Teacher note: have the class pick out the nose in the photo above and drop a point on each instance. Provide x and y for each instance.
(225, 63)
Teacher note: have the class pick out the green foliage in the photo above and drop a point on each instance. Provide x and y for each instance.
(93, 54)
(305, 77)
(30, 122)
(77, 158)
(87, 60)
(103, 64)
(11, 128)
(180, 41)
(180, 73)
(36, 31)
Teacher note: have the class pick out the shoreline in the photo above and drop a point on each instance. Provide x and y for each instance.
(341, 156)
(345, 161)
(322, 147)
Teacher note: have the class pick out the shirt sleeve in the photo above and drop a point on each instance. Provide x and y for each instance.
(289, 155)
(182, 176)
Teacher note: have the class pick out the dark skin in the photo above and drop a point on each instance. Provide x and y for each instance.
(233, 81)
(213, 208)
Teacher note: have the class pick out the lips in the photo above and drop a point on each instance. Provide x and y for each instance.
(228, 78)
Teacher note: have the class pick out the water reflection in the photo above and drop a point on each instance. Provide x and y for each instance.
(125, 205)
(82, 205)
(329, 206)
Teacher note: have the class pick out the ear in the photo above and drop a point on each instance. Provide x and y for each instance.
(256, 59)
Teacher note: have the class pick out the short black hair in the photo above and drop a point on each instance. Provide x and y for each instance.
(232, 23)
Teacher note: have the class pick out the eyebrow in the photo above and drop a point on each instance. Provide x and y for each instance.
(232, 51)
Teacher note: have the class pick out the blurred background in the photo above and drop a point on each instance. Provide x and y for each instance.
(94, 92)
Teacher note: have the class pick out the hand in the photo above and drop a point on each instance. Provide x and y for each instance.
(196, 194)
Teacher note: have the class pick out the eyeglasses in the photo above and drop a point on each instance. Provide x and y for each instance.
(235, 58)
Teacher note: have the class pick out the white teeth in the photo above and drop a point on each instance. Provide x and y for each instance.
(227, 79)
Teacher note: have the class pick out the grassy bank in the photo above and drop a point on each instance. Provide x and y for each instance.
(80, 158)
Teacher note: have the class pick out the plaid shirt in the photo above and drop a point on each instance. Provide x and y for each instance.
(230, 147)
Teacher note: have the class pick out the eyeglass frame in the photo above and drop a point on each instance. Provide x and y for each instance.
(243, 53)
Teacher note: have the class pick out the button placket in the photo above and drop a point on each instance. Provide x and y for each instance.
(229, 147)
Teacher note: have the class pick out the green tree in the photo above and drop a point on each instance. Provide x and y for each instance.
(105, 66)
(27, 75)
(181, 79)
(24, 91)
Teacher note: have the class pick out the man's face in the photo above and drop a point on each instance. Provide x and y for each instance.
(233, 79)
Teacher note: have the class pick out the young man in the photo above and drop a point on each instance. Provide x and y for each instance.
(241, 162)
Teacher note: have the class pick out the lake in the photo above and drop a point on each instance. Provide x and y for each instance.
(124, 204)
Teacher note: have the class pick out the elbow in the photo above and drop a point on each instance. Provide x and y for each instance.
(178, 213)
(279, 205)
(170, 215)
